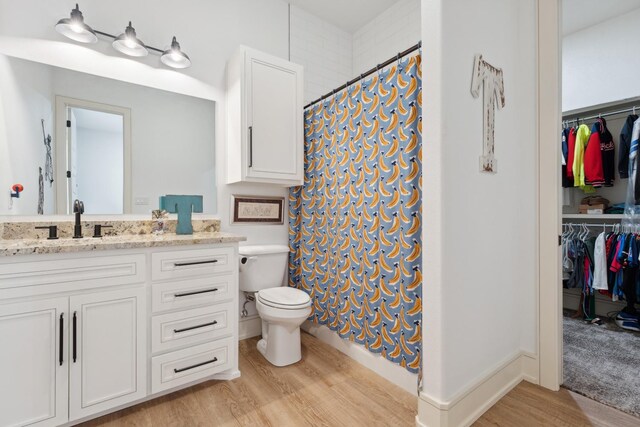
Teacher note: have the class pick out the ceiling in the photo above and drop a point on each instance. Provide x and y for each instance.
(580, 14)
(349, 15)
(97, 120)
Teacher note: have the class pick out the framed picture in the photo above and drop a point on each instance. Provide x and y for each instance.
(257, 209)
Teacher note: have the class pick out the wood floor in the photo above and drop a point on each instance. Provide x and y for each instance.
(531, 405)
(328, 388)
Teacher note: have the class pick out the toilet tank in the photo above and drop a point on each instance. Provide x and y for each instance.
(262, 266)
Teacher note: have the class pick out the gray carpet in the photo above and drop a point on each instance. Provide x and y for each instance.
(603, 363)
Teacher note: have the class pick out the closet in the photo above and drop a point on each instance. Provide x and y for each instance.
(598, 207)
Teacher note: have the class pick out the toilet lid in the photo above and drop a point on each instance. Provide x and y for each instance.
(285, 297)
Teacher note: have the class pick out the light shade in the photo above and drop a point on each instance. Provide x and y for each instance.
(75, 28)
(129, 44)
(174, 57)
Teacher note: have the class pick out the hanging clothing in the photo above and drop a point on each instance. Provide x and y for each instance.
(567, 182)
(593, 172)
(634, 159)
(355, 224)
(582, 137)
(571, 150)
(625, 145)
(600, 281)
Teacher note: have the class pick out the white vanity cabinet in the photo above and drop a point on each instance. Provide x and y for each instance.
(108, 350)
(84, 334)
(265, 119)
(34, 363)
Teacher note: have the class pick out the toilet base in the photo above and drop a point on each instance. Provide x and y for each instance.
(280, 345)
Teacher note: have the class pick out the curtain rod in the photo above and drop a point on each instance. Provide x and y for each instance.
(368, 73)
(612, 113)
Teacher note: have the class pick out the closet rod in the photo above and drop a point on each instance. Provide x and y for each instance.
(368, 73)
(580, 224)
(612, 113)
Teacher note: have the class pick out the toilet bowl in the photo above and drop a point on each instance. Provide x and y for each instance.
(281, 309)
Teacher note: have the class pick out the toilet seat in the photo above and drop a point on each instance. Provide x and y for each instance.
(284, 298)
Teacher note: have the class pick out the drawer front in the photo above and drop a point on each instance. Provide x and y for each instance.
(173, 330)
(192, 293)
(29, 278)
(191, 263)
(191, 364)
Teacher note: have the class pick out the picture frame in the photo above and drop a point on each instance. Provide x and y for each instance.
(257, 209)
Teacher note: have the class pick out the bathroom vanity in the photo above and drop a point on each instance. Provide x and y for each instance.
(89, 326)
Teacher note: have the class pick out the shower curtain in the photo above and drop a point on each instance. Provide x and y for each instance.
(355, 225)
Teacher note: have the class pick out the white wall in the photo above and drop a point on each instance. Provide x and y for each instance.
(480, 229)
(332, 56)
(100, 165)
(25, 99)
(324, 50)
(392, 31)
(600, 64)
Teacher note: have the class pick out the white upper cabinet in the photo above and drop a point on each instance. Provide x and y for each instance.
(265, 119)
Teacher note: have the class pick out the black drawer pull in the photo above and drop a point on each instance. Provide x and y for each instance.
(215, 359)
(186, 294)
(185, 264)
(61, 355)
(204, 325)
(75, 337)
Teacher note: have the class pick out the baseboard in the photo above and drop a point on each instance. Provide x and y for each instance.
(469, 405)
(604, 305)
(250, 327)
(378, 364)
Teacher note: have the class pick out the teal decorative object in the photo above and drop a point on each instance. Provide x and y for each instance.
(182, 205)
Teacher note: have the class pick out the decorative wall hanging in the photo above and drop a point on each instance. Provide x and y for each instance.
(257, 209)
(48, 163)
(40, 192)
(487, 76)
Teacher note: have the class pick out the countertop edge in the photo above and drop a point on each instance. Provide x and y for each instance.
(10, 248)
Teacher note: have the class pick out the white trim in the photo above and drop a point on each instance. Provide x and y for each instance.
(250, 327)
(381, 366)
(469, 404)
(549, 204)
(61, 151)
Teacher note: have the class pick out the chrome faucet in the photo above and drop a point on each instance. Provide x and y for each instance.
(78, 209)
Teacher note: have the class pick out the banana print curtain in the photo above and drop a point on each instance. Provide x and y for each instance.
(355, 225)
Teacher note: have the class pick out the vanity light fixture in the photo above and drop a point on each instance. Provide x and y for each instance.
(75, 28)
(174, 57)
(127, 42)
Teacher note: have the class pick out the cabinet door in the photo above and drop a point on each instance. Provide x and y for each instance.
(274, 118)
(107, 351)
(33, 363)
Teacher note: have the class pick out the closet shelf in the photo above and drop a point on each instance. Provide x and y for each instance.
(593, 216)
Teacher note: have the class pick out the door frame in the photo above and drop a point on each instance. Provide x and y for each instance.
(549, 330)
(62, 148)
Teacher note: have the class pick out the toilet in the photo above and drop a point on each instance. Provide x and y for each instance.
(281, 308)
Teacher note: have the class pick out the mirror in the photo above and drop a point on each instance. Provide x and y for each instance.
(117, 146)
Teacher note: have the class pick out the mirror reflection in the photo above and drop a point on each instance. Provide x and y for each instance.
(117, 146)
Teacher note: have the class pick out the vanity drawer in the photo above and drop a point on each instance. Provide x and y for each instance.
(191, 293)
(191, 364)
(190, 263)
(169, 331)
(69, 273)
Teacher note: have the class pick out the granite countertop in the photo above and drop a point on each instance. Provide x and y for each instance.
(11, 247)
